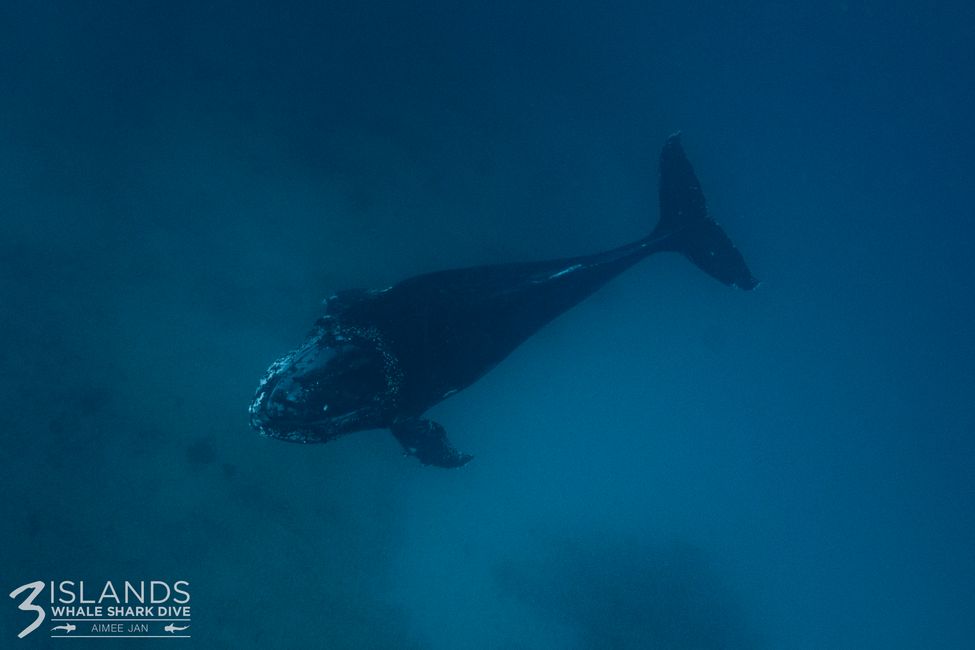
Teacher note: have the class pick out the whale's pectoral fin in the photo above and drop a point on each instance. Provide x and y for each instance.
(427, 440)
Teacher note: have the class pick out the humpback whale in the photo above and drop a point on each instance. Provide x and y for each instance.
(382, 358)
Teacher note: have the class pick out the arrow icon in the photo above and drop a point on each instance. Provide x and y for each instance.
(172, 628)
(68, 628)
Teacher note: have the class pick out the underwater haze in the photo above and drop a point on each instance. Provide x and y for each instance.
(672, 464)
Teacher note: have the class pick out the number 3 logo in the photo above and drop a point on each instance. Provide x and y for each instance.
(29, 606)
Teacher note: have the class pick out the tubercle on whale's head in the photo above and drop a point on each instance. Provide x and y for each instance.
(332, 384)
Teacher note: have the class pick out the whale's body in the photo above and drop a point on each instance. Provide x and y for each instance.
(380, 359)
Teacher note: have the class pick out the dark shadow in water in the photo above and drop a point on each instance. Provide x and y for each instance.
(201, 453)
(626, 594)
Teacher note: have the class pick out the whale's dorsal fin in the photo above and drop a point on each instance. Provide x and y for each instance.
(427, 440)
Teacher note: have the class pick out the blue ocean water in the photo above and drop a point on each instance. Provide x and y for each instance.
(672, 464)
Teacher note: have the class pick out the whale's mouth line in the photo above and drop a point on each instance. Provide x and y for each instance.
(291, 422)
(318, 429)
(294, 430)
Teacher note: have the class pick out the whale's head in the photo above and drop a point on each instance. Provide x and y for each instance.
(336, 382)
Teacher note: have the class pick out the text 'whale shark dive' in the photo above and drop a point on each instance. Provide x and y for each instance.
(380, 359)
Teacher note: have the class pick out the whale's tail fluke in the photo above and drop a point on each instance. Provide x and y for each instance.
(685, 226)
